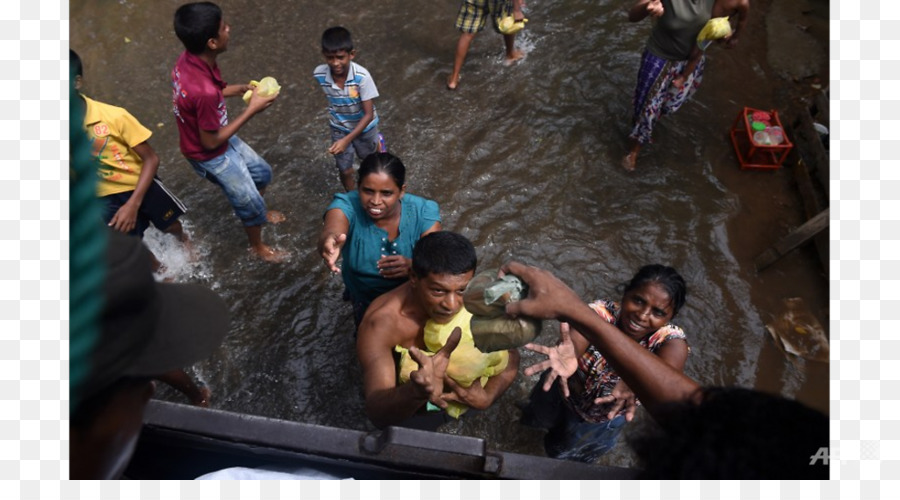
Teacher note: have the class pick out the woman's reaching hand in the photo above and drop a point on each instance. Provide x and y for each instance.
(561, 360)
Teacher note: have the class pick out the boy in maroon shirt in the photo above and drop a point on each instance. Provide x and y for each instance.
(207, 138)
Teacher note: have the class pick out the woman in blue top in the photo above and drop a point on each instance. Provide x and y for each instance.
(375, 228)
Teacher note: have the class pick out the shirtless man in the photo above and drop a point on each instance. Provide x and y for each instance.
(442, 265)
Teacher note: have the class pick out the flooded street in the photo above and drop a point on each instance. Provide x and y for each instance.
(523, 160)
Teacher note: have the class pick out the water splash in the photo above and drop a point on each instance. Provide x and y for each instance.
(180, 262)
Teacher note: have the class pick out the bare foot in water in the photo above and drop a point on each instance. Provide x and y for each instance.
(629, 161)
(452, 84)
(513, 57)
(203, 398)
(274, 217)
(190, 251)
(269, 254)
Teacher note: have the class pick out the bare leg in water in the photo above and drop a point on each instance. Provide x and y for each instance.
(260, 249)
(512, 54)
(180, 381)
(273, 216)
(630, 159)
(347, 179)
(254, 235)
(177, 230)
(462, 48)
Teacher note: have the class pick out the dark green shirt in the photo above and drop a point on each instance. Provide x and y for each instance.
(675, 32)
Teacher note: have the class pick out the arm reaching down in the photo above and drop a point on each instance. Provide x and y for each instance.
(693, 61)
(125, 218)
(341, 144)
(333, 237)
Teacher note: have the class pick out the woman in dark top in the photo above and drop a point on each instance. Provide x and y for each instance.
(678, 22)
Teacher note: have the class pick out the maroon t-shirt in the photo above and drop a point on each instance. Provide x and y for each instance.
(198, 104)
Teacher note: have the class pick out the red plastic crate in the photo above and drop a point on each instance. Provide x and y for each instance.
(751, 154)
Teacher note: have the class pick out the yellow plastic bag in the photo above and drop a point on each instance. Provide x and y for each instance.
(467, 363)
(268, 86)
(436, 334)
(509, 26)
(714, 29)
(408, 365)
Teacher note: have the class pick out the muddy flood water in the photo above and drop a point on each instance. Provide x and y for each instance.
(524, 160)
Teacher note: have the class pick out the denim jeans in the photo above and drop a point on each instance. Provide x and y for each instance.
(241, 173)
(569, 437)
(583, 441)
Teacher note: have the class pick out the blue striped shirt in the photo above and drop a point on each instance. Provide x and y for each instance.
(345, 104)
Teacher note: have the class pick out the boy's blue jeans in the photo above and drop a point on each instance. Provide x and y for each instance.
(241, 173)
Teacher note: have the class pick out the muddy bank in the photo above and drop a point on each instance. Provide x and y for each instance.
(793, 35)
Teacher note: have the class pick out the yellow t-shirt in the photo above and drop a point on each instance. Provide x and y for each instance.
(114, 133)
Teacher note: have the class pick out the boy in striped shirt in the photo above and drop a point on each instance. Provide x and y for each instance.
(350, 90)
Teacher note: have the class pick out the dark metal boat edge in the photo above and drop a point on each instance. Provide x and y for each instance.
(183, 442)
